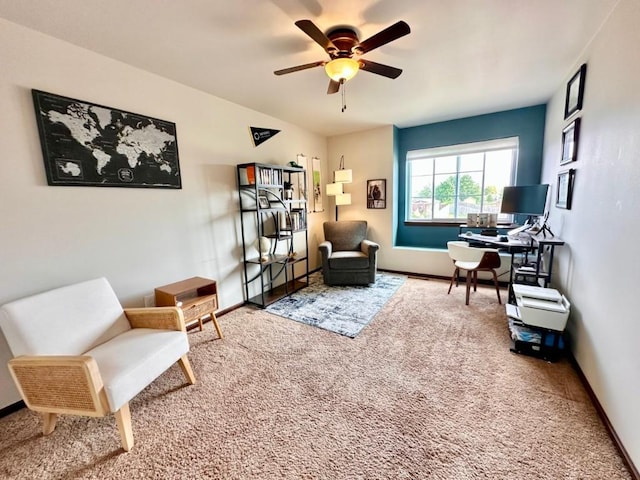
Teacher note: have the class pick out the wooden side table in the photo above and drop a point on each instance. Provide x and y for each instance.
(197, 297)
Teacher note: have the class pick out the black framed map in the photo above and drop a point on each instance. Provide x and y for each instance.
(86, 144)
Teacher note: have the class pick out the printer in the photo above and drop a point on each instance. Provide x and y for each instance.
(539, 307)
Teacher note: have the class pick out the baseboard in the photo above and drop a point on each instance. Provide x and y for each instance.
(14, 407)
(427, 276)
(603, 416)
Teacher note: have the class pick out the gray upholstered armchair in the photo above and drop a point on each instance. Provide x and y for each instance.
(348, 258)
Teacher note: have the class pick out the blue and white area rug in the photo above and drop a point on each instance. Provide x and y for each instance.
(341, 309)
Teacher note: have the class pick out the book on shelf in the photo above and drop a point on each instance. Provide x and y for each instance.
(270, 176)
(297, 219)
(293, 220)
(251, 174)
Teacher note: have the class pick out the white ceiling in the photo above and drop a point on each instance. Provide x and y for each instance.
(462, 57)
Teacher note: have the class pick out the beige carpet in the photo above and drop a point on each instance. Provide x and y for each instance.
(428, 390)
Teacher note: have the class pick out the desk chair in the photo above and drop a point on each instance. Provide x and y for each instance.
(473, 260)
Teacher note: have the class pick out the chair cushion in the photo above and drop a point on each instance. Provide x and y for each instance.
(467, 265)
(134, 359)
(348, 260)
(65, 321)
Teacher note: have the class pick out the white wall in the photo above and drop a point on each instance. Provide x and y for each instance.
(370, 155)
(137, 238)
(598, 267)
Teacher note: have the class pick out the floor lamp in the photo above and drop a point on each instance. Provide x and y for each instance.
(335, 190)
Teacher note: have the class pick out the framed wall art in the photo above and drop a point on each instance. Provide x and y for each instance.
(564, 190)
(301, 189)
(85, 144)
(317, 185)
(575, 92)
(377, 193)
(570, 136)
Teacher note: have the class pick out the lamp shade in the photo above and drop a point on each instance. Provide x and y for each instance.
(343, 199)
(342, 69)
(343, 176)
(334, 189)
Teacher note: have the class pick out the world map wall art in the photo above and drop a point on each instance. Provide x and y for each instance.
(85, 144)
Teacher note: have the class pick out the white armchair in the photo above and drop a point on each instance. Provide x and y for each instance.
(78, 352)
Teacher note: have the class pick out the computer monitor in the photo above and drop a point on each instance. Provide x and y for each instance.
(525, 199)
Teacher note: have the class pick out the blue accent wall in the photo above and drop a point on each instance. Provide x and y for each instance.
(525, 123)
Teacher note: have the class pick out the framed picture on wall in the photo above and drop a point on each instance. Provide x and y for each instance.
(564, 190)
(377, 193)
(575, 92)
(317, 185)
(300, 188)
(570, 136)
(86, 144)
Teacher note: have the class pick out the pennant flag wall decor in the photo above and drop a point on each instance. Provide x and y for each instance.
(261, 135)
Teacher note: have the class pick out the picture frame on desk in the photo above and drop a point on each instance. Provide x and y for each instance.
(564, 190)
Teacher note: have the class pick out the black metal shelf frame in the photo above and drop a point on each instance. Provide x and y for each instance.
(275, 275)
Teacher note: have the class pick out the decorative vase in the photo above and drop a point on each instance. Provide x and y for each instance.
(264, 245)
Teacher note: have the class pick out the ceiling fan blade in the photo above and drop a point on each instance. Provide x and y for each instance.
(387, 35)
(308, 27)
(379, 68)
(299, 67)
(334, 87)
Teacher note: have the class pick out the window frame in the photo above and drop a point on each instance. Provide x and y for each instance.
(457, 151)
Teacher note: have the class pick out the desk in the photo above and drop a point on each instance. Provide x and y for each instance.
(525, 272)
(511, 245)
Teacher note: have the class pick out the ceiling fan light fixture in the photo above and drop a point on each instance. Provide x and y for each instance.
(342, 69)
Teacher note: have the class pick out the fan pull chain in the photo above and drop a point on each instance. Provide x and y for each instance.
(343, 88)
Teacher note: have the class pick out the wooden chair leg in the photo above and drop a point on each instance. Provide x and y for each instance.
(123, 419)
(186, 369)
(456, 272)
(49, 422)
(468, 286)
(214, 320)
(495, 282)
(475, 280)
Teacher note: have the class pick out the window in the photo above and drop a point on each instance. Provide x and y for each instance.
(447, 183)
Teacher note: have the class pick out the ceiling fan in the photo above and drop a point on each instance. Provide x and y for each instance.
(345, 50)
